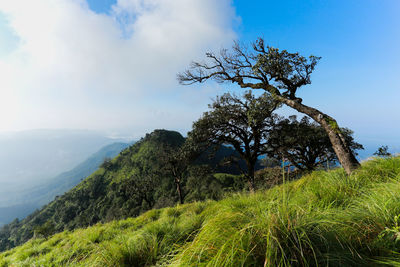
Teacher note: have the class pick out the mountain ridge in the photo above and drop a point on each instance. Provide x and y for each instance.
(44, 193)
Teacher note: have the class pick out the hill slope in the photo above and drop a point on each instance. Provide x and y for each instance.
(325, 218)
(105, 195)
(126, 186)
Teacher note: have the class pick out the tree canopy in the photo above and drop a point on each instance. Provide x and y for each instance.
(382, 151)
(277, 72)
(242, 122)
(304, 143)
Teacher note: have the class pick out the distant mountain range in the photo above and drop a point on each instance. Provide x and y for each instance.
(34, 198)
(30, 156)
(65, 181)
(31, 163)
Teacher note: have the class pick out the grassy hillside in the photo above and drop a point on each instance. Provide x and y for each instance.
(109, 193)
(126, 186)
(325, 218)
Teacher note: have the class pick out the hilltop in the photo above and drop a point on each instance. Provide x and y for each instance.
(325, 218)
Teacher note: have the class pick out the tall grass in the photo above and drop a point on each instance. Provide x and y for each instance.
(324, 219)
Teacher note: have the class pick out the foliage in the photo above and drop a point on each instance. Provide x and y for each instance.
(269, 162)
(126, 186)
(383, 151)
(45, 230)
(263, 67)
(241, 122)
(326, 219)
(178, 161)
(123, 187)
(280, 74)
(305, 144)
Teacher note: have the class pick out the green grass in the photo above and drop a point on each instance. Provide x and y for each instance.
(323, 219)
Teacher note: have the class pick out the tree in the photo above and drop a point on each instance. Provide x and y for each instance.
(277, 72)
(270, 162)
(177, 161)
(142, 185)
(383, 151)
(243, 123)
(107, 163)
(45, 230)
(305, 144)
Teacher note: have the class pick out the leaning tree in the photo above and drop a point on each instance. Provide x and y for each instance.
(280, 74)
(241, 122)
(304, 143)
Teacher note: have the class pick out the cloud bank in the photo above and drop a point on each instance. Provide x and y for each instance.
(74, 68)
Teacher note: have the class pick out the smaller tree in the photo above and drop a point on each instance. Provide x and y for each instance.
(107, 164)
(241, 122)
(201, 184)
(383, 151)
(270, 162)
(142, 186)
(177, 161)
(45, 230)
(305, 144)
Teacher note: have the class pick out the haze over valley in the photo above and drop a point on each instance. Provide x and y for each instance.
(31, 161)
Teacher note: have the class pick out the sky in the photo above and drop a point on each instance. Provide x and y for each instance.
(111, 65)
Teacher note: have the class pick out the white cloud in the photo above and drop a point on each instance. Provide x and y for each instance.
(74, 68)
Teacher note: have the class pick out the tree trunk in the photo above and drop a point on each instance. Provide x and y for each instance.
(179, 190)
(342, 150)
(250, 177)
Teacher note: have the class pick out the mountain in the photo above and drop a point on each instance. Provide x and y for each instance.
(65, 181)
(34, 198)
(31, 158)
(325, 218)
(126, 186)
(106, 194)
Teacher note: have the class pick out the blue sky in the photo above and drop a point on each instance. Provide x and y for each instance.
(359, 40)
(355, 82)
(359, 44)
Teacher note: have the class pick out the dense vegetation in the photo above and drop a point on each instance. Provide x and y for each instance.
(305, 144)
(126, 186)
(325, 218)
(245, 123)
